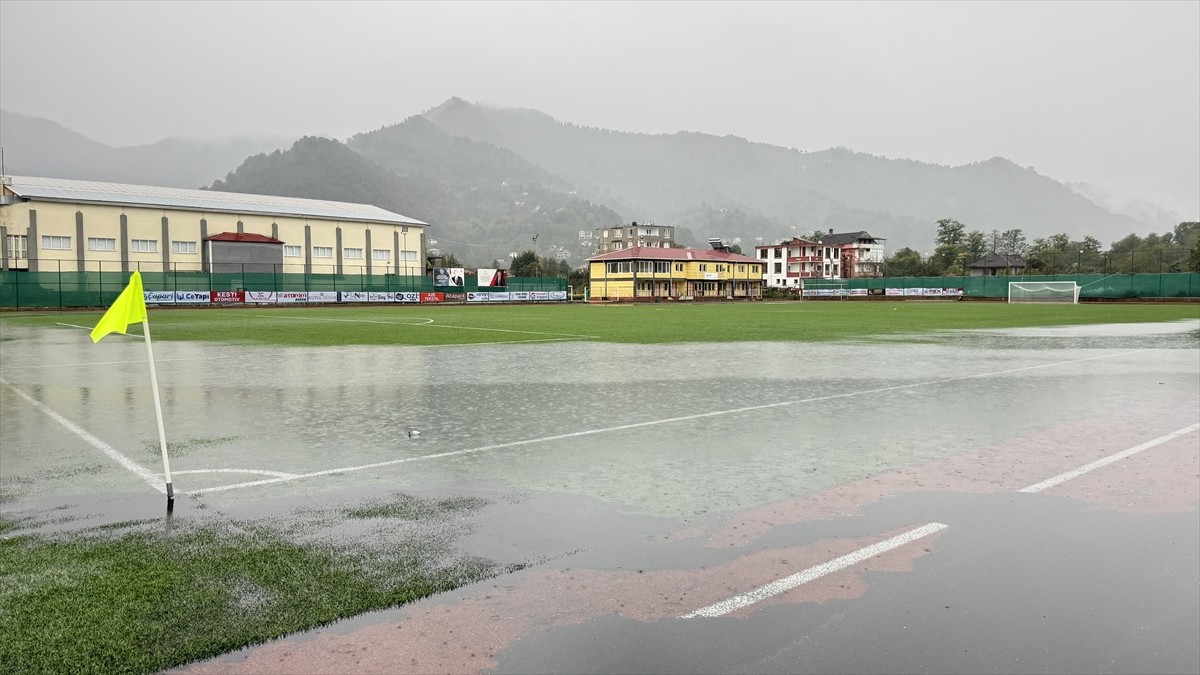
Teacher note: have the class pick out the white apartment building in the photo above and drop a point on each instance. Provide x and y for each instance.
(791, 261)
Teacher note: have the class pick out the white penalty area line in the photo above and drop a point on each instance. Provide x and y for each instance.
(429, 323)
(638, 425)
(1105, 461)
(815, 572)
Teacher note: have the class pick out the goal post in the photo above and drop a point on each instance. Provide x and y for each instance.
(1043, 291)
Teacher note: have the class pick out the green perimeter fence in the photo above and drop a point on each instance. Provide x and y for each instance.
(1091, 286)
(21, 289)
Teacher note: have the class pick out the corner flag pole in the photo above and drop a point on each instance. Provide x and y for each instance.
(128, 309)
(162, 434)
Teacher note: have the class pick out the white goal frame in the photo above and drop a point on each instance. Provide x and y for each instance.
(1043, 291)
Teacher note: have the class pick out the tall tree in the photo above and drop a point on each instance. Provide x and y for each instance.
(951, 233)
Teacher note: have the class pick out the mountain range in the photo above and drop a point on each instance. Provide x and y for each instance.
(494, 181)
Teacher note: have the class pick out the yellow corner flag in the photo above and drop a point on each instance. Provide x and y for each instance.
(130, 307)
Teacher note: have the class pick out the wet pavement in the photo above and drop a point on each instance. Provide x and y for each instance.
(642, 483)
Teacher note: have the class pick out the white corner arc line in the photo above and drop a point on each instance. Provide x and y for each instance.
(138, 470)
(815, 572)
(1105, 461)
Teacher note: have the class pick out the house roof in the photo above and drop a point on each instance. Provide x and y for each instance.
(787, 242)
(656, 253)
(94, 192)
(997, 260)
(842, 238)
(244, 237)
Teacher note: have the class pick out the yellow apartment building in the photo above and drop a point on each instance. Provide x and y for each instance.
(646, 273)
(53, 224)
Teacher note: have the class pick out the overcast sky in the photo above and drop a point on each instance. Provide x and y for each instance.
(1099, 92)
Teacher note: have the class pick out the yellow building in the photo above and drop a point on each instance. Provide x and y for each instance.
(52, 224)
(676, 273)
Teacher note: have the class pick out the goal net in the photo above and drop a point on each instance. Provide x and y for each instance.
(1043, 291)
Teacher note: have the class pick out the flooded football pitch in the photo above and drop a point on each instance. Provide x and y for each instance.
(646, 459)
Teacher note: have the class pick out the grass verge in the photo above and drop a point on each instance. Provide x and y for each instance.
(139, 597)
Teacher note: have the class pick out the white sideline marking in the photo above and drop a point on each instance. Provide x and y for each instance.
(1105, 461)
(138, 470)
(816, 572)
(636, 425)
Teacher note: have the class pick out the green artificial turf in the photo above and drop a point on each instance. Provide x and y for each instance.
(138, 597)
(626, 323)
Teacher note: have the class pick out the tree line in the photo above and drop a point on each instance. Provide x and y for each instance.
(956, 247)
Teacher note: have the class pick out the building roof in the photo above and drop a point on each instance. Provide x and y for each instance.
(93, 192)
(789, 242)
(843, 238)
(244, 237)
(656, 253)
(998, 260)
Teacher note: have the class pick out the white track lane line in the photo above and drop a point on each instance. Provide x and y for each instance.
(1105, 461)
(816, 572)
(138, 470)
(637, 425)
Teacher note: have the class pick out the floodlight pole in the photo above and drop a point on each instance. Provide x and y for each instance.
(162, 434)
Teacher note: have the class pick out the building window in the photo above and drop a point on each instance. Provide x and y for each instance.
(322, 251)
(183, 247)
(778, 253)
(352, 253)
(18, 246)
(662, 267)
(144, 246)
(381, 254)
(102, 244)
(703, 267)
(678, 267)
(762, 253)
(741, 268)
(619, 267)
(778, 268)
(408, 255)
(53, 243)
(292, 251)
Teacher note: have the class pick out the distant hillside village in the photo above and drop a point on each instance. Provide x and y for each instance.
(81, 227)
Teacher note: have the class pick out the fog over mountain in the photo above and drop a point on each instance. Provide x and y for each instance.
(488, 179)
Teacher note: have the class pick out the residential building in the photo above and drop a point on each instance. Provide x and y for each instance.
(634, 235)
(789, 262)
(997, 264)
(647, 273)
(861, 254)
(51, 224)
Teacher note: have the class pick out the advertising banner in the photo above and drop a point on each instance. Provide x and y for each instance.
(432, 297)
(895, 291)
(539, 295)
(477, 297)
(519, 296)
(455, 297)
(260, 296)
(952, 291)
(352, 296)
(498, 296)
(449, 276)
(858, 291)
(875, 291)
(227, 296)
(291, 296)
(914, 291)
(558, 295)
(160, 297)
(381, 296)
(408, 296)
(933, 291)
(489, 278)
(322, 296)
(192, 297)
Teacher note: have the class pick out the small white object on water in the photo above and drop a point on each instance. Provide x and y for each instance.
(413, 433)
